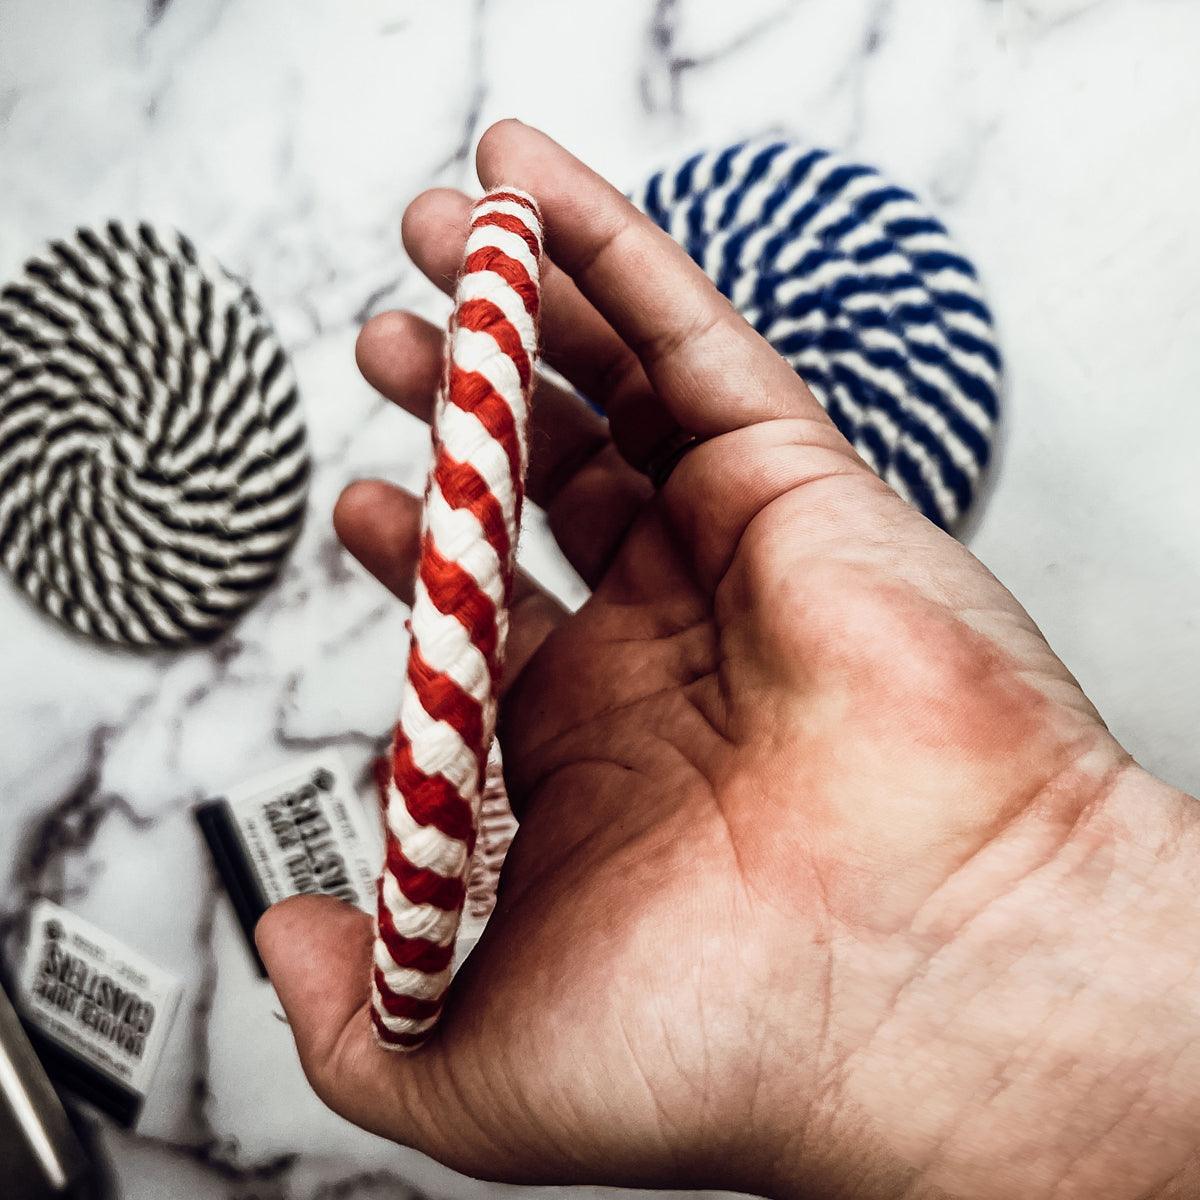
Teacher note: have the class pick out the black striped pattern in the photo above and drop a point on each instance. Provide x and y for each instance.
(153, 465)
(862, 291)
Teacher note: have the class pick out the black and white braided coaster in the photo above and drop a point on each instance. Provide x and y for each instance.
(862, 290)
(153, 460)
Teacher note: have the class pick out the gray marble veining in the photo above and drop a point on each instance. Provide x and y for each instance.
(1057, 137)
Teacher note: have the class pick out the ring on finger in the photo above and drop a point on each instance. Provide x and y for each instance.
(668, 456)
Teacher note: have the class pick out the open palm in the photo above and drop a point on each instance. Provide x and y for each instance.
(771, 776)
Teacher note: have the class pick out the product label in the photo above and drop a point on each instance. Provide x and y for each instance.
(297, 830)
(94, 997)
(303, 832)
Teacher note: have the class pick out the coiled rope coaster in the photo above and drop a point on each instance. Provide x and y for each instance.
(861, 289)
(153, 466)
(459, 617)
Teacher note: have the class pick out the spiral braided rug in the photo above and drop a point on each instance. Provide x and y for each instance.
(861, 289)
(437, 776)
(153, 465)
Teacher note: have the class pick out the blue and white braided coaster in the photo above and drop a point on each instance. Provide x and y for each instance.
(861, 289)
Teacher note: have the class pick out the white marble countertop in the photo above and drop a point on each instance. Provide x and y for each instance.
(1059, 140)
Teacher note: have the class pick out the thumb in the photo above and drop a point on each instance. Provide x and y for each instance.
(317, 951)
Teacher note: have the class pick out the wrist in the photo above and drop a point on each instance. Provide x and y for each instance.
(1047, 1041)
(1086, 1029)
(1137, 886)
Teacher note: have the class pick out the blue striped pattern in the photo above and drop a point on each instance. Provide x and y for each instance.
(864, 294)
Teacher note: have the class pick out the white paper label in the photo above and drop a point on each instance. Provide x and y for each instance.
(304, 832)
(93, 995)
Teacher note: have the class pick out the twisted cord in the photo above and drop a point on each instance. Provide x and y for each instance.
(862, 290)
(153, 461)
(459, 617)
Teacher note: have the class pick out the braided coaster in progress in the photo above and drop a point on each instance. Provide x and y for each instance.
(459, 617)
(153, 466)
(860, 288)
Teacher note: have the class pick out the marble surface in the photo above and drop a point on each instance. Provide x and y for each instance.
(1058, 139)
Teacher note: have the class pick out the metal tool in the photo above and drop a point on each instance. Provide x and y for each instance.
(40, 1156)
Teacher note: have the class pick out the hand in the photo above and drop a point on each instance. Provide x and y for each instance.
(827, 880)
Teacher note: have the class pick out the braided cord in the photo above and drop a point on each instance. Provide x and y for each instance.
(459, 617)
(153, 458)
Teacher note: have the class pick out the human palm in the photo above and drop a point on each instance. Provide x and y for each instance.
(793, 746)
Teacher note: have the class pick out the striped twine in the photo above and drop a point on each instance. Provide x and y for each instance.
(153, 465)
(459, 618)
(863, 292)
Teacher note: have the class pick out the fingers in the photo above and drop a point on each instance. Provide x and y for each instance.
(577, 341)
(317, 951)
(710, 370)
(400, 355)
(381, 526)
(589, 493)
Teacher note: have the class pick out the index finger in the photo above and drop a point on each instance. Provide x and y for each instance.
(707, 365)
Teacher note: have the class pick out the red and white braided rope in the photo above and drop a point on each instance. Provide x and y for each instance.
(459, 616)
